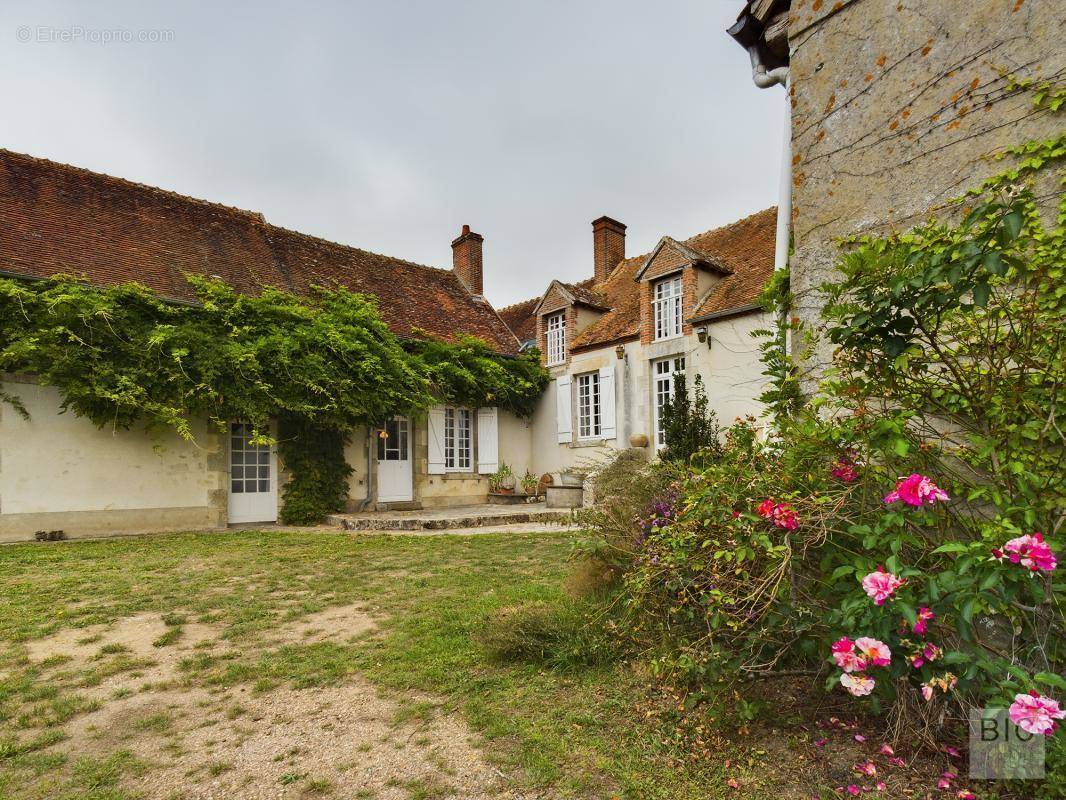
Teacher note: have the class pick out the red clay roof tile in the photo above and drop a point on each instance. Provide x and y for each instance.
(745, 248)
(63, 219)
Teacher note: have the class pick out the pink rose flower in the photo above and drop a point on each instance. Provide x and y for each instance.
(925, 616)
(927, 692)
(844, 655)
(881, 585)
(857, 685)
(886, 750)
(1029, 551)
(781, 514)
(854, 790)
(844, 470)
(875, 653)
(1035, 713)
(916, 490)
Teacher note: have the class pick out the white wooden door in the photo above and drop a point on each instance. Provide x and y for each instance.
(253, 478)
(395, 481)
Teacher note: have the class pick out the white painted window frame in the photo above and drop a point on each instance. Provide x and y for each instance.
(555, 337)
(666, 307)
(458, 439)
(589, 406)
(664, 372)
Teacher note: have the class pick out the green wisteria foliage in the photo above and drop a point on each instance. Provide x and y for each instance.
(323, 361)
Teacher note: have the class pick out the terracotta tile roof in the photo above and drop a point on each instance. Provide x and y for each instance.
(519, 318)
(745, 247)
(584, 292)
(63, 219)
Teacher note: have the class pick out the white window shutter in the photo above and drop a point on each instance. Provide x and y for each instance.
(563, 407)
(608, 424)
(488, 440)
(435, 440)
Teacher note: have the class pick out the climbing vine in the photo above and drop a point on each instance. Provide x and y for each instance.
(314, 456)
(323, 363)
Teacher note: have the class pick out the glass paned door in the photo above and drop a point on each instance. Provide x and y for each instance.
(253, 491)
(395, 480)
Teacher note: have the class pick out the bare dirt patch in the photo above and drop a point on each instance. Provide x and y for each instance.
(341, 624)
(201, 742)
(286, 743)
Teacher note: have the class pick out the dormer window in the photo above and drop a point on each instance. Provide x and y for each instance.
(556, 334)
(666, 308)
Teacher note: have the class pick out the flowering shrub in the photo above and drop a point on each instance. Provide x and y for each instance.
(916, 490)
(918, 593)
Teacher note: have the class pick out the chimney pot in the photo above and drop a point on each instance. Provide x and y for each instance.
(466, 260)
(608, 246)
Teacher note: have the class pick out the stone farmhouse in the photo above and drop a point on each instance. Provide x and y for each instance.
(615, 344)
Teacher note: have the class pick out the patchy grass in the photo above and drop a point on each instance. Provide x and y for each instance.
(573, 729)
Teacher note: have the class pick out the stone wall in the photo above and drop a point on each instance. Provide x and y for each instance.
(897, 107)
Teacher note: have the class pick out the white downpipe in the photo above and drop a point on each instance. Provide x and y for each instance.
(784, 198)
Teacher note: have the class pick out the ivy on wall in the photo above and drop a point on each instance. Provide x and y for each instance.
(323, 363)
(314, 455)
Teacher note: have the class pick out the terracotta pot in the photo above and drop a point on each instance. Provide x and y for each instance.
(638, 440)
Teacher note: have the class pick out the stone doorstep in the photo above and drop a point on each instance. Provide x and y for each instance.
(427, 522)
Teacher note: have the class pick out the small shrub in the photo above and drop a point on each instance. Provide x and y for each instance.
(690, 426)
(626, 490)
(537, 632)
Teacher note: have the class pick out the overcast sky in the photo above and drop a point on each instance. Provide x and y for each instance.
(387, 125)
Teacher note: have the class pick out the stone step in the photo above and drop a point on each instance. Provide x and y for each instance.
(451, 519)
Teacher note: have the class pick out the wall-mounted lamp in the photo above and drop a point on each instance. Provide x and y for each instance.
(620, 351)
(701, 334)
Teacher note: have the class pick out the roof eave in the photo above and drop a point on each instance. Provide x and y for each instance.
(726, 312)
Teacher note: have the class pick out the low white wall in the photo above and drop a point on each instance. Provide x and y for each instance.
(59, 471)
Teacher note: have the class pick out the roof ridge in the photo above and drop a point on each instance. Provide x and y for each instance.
(254, 216)
(501, 309)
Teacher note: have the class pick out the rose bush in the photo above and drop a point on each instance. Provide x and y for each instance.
(897, 534)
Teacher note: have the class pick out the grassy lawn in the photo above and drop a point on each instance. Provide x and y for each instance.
(235, 631)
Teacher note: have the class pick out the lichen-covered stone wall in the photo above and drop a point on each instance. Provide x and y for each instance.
(898, 106)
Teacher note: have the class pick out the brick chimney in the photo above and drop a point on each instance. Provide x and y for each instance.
(466, 259)
(608, 245)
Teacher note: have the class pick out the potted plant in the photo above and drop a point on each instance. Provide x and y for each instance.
(530, 483)
(502, 481)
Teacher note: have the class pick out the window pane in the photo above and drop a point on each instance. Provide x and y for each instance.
(264, 486)
(237, 487)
